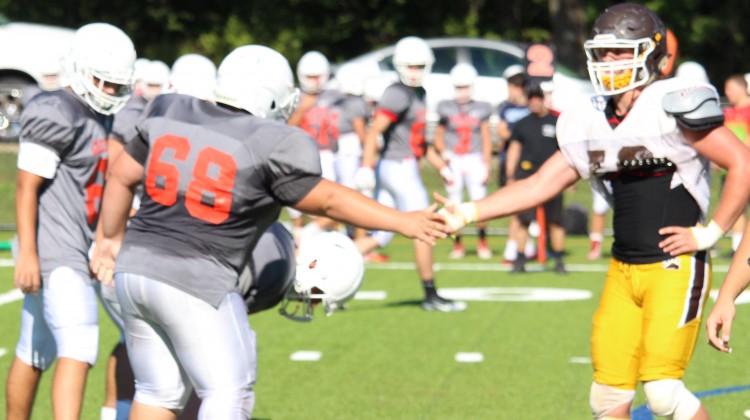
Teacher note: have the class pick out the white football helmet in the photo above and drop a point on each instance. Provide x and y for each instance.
(259, 80)
(155, 78)
(693, 71)
(195, 75)
(313, 71)
(101, 57)
(351, 79)
(413, 51)
(463, 76)
(329, 270)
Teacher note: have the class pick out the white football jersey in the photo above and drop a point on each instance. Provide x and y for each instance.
(595, 149)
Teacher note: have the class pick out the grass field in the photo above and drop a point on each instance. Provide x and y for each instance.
(388, 359)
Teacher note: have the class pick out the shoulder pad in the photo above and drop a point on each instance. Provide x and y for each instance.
(695, 108)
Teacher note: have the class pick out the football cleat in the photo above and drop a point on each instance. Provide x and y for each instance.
(457, 252)
(483, 250)
(437, 303)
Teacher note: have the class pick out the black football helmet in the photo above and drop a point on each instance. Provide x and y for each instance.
(626, 26)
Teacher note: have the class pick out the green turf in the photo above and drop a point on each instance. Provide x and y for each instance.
(390, 359)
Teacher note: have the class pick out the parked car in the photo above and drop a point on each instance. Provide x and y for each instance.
(31, 60)
(489, 57)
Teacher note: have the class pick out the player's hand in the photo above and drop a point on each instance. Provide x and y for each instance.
(456, 215)
(306, 101)
(425, 225)
(364, 178)
(27, 275)
(682, 240)
(447, 174)
(447, 156)
(719, 325)
(102, 262)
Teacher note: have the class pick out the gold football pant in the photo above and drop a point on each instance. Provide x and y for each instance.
(648, 319)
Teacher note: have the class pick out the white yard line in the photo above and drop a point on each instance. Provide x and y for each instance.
(11, 296)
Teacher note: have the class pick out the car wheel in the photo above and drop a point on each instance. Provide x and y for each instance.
(11, 105)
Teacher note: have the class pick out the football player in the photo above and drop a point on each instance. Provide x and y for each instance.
(653, 140)
(314, 115)
(61, 168)
(119, 385)
(400, 119)
(194, 75)
(215, 178)
(463, 139)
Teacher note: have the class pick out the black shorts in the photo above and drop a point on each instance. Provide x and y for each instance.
(553, 212)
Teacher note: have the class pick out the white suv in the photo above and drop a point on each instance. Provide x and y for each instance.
(489, 57)
(31, 60)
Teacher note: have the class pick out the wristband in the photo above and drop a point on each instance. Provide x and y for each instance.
(707, 236)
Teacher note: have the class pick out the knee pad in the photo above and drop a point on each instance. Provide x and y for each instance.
(604, 398)
(669, 398)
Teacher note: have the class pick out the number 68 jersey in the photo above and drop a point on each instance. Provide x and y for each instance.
(214, 180)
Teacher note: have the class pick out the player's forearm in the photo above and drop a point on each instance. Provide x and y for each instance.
(551, 179)
(734, 197)
(346, 205)
(116, 204)
(354, 208)
(27, 202)
(738, 277)
(369, 150)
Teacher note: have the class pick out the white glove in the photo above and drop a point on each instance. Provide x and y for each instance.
(364, 179)
(459, 215)
(447, 156)
(447, 175)
(707, 236)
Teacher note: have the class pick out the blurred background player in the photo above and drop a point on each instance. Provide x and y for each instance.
(737, 116)
(532, 142)
(195, 75)
(400, 119)
(188, 243)
(314, 115)
(61, 171)
(464, 141)
(653, 139)
(509, 112)
(119, 385)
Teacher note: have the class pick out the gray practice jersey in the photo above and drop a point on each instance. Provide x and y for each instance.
(462, 124)
(69, 202)
(319, 122)
(123, 127)
(345, 111)
(405, 107)
(214, 180)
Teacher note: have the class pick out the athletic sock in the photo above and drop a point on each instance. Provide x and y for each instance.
(429, 289)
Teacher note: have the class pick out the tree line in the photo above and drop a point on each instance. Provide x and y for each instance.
(711, 32)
